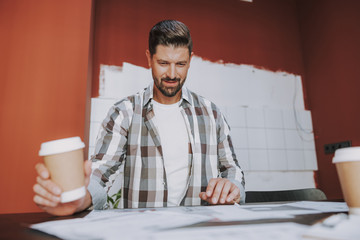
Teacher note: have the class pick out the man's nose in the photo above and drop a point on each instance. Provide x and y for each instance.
(171, 73)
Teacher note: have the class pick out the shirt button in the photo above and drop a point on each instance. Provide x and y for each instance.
(163, 183)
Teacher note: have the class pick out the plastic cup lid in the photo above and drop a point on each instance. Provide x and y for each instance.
(61, 146)
(348, 154)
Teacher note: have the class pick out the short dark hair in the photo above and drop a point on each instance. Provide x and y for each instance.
(169, 33)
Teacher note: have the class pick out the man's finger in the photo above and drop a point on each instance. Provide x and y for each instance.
(210, 187)
(42, 171)
(217, 191)
(87, 171)
(49, 185)
(43, 203)
(40, 191)
(225, 192)
(87, 167)
(234, 195)
(203, 196)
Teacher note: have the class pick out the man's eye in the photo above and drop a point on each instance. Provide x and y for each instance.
(163, 63)
(181, 64)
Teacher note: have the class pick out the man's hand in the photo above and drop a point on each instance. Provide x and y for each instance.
(47, 193)
(221, 191)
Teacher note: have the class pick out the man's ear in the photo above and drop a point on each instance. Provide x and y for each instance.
(148, 56)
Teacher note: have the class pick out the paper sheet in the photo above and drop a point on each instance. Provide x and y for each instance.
(117, 225)
(159, 222)
(336, 227)
(301, 207)
(278, 231)
(321, 206)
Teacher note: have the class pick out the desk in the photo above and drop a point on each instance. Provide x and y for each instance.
(15, 226)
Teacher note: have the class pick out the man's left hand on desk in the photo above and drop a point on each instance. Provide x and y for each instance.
(221, 191)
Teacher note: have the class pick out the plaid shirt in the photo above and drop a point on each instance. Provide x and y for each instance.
(128, 136)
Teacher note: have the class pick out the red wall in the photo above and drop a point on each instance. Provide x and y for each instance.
(43, 65)
(263, 33)
(331, 42)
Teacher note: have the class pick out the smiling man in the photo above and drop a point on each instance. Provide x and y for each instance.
(174, 144)
(169, 69)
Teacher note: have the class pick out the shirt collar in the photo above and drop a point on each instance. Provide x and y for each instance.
(149, 94)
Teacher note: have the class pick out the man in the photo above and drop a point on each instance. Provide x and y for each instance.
(174, 144)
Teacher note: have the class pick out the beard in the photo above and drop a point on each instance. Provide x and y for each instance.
(169, 91)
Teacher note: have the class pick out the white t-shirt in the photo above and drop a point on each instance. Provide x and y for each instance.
(174, 140)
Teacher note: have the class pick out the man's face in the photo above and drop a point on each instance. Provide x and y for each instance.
(169, 70)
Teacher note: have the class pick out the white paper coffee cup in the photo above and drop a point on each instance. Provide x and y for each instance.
(65, 160)
(347, 162)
